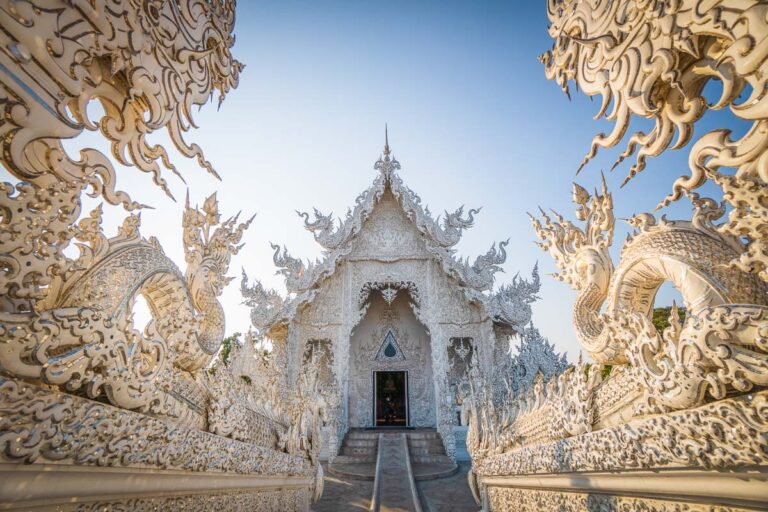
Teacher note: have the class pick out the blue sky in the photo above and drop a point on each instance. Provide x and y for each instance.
(471, 118)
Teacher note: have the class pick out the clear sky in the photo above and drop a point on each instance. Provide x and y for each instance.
(471, 119)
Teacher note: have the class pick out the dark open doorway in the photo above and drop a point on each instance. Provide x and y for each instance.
(391, 404)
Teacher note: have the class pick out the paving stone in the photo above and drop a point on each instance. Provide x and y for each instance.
(449, 494)
(344, 495)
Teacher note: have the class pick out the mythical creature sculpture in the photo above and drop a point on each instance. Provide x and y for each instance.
(266, 304)
(693, 255)
(511, 303)
(653, 59)
(480, 273)
(584, 263)
(689, 254)
(307, 412)
(147, 63)
(67, 322)
(66, 325)
(685, 386)
(85, 318)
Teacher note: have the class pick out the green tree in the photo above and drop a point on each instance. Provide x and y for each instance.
(226, 346)
(661, 317)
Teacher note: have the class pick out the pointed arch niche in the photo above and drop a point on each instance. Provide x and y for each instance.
(390, 338)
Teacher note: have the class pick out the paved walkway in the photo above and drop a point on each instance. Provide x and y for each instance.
(344, 494)
(450, 494)
(395, 493)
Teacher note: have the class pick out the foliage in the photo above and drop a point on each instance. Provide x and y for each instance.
(606, 371)
(661, 317)
(227, 344)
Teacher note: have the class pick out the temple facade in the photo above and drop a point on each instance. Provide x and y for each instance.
(391, 315)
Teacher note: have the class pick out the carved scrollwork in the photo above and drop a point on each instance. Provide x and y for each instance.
(688, 438)
(534, 500)
(384, 286)
(721, 348)
(84, 349)
(278, 500)
(40, 425)
(130, 56)
(32, 217)
(676, 50)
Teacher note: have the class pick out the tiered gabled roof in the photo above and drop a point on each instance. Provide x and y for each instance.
(509, 305)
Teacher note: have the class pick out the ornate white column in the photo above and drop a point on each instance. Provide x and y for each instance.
(439, 350)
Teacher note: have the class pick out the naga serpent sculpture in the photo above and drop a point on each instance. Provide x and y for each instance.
(147, 63)
(85, 320)
(612, 311)
(653, 59)
(67, 322)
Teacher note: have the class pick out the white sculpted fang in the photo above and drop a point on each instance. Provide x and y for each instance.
(676, 48)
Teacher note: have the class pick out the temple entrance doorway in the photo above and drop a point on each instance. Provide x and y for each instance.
(391, 403)
(391, 342)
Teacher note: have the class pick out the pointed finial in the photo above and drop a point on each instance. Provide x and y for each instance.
(386, 140)
(385, 164)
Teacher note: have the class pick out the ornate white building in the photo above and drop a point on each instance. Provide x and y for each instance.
(390, 313)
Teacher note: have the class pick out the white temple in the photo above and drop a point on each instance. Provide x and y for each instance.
(392, 315)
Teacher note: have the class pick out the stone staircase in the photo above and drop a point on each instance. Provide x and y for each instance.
(425, 446)
(359, 447)
(357, 456)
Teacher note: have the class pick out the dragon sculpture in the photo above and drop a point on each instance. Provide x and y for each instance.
(612, 311)
(147, 63)
(648, 397)
(653, 59)
(86, 316)
(67, 324)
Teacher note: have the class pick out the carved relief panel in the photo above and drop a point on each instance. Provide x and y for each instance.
(387, 234)
(390, 338)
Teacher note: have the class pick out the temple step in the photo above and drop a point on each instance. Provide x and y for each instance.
(352, 459)
(359, 450)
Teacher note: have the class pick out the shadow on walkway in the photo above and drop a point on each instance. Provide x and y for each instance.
(450, 494)
(344, 495)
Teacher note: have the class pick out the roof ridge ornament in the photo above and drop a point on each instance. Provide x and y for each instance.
(386, 140)
(385, 164)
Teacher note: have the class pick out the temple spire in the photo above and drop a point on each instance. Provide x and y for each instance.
(386, 140)
(385, 164)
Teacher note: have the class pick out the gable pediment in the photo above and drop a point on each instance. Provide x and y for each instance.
(388, 234)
